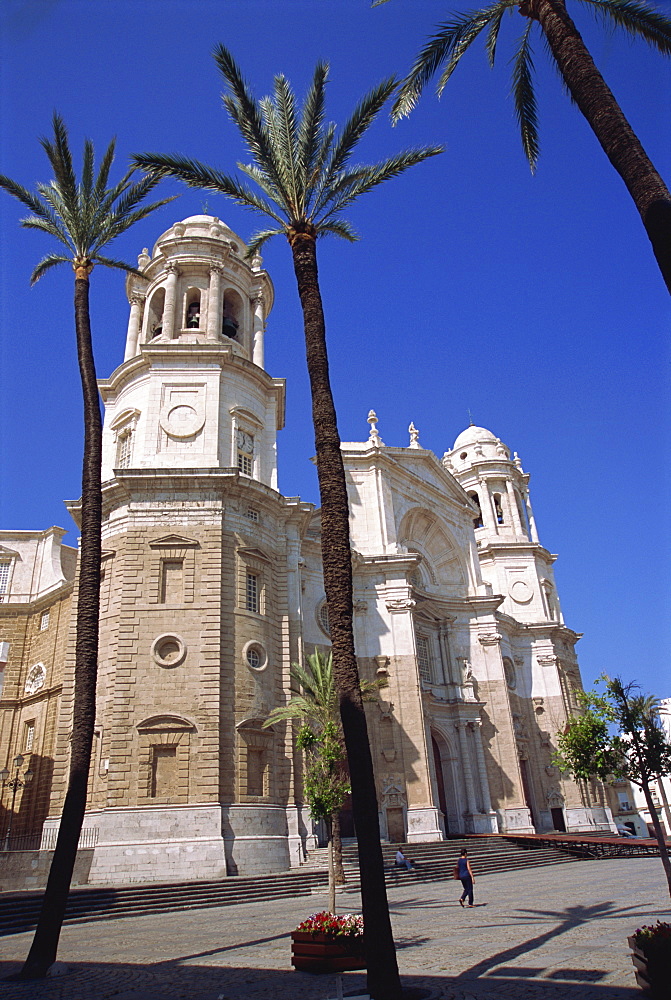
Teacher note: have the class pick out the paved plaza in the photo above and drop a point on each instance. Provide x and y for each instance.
(545, 934)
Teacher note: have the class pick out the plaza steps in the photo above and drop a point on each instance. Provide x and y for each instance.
(435, 861)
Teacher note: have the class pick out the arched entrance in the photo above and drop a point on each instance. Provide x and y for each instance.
(443, 760)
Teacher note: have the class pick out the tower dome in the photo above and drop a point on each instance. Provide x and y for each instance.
(476, 444)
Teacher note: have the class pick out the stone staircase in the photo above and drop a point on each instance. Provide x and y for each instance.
(434, 861)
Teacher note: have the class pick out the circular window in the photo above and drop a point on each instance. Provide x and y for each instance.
(509, 672)
(463, 454)
(168, 650)
(255, 656)
(323, 618)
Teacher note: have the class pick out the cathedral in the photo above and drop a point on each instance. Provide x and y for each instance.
(212, 588)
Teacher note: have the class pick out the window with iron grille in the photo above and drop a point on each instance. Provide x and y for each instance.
(29, 737)
(252, 593)
(245, 464)
(4, 577)
(44, 621)
(424, 658)
(124, 449)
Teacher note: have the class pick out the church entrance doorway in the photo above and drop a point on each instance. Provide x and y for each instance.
(395, 825)
(558, 821)
(440, 782)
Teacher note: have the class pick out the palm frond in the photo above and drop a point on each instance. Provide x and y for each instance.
(260, 177)
(103, 172)
(87, 172)
(285, 140)
(119, 265)
(260, 238)
(311, 128)
(379, 173)
(444, 48)
(54, 229)
(60, 159)
(493, 35)
(359, 122)
(640, 19)
(244, 111)
(51, 260)
(26, 197)
(338, 227)
(525, 98)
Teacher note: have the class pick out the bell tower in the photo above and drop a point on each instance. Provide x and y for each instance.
(193, 392)
(201, 595)
(512, 559)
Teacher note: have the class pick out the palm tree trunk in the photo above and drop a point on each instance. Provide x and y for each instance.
(45, 942)
(604, 115)
(383, 980)
(337, 850)
(659, 833)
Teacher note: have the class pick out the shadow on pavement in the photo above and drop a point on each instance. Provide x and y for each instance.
(170, 981)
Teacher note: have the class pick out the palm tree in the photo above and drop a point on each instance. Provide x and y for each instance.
(84, 216)
(304, 182)
(317, 708)
(582, 79)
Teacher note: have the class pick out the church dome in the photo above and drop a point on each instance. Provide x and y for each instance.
(199, 226)
(475, 444)
(473, 435)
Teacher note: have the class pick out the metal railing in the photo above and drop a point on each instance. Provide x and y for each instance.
(45, 840)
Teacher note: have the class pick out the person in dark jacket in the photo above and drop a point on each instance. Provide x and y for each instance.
(467, 878)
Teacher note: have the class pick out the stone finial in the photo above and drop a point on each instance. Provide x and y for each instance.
(518, 461)
(501, 448)
(414, 436)
(374, 438)
(257, 262)
(447, 462)
(143, 259)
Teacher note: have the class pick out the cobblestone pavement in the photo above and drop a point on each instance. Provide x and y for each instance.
(553, 933)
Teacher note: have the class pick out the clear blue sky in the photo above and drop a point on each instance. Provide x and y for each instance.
(533, 302)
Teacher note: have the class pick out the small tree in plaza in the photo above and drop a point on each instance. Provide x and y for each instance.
(326, 782)
(619, 735)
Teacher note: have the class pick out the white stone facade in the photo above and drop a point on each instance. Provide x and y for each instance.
(212, 587)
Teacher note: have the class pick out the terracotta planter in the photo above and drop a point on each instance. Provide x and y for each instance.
(653, 968)
(325, 953)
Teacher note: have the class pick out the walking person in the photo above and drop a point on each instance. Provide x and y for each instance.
(467, 878)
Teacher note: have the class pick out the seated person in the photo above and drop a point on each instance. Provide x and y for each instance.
(402, 861)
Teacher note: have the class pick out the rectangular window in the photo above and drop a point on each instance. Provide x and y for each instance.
(252, 593)
(4, 578)
(172, 581)
(44, 621)
(256, 771)
(124, 450)
(29, 736)
(424, 658)
(245, 463)
(252, 514)
(163, 771)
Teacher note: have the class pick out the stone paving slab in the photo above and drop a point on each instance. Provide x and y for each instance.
(552, 933)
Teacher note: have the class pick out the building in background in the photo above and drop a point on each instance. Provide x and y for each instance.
(212, 587)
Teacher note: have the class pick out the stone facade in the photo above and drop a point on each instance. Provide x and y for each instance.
(212, 587)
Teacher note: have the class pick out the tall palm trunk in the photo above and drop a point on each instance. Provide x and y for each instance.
(659, 833)
(604, 115)
(45, 942)
(383, 979)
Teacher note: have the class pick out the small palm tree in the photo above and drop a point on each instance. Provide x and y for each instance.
(583, 80)
(84, 216)
(317, 708)
(304, 182)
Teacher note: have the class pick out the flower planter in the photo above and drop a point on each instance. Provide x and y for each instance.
(652, 967)
(317, 952)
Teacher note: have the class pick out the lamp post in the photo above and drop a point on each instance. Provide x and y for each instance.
(14, 783)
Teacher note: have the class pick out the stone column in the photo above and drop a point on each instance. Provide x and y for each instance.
(133, 334)
(258, 330)
(482, 766)
(532, 522)
(214, 319)
(169, 305)
(487, 507)
(443, 630)
(466, 767)
(514, 512)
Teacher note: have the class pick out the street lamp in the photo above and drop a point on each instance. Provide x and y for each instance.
(14, 783)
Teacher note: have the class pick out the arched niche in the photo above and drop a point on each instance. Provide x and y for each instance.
(164, 752)
(232, 322)
(421, 531)
(155, 309)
